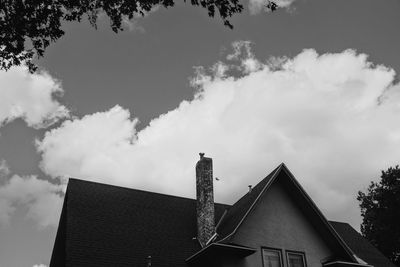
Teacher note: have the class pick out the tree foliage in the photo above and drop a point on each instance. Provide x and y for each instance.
(380, 209)
(27, 27)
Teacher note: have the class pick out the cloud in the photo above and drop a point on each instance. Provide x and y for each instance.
(258, 6)
(332, 118)
(30, 97)
(41, 199)
(40, 265)
(242, 52)
(4, 170)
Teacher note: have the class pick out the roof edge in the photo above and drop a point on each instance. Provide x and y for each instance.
(346, 263)
(276, 172)
(321, 215)
(236, 247)
(77, 180)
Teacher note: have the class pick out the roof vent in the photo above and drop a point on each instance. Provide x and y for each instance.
(250, 188)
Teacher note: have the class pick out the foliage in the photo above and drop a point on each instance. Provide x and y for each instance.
(271, 5)
(380, 209)
(27, 27)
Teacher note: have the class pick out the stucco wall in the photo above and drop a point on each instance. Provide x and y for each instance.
(277, 222)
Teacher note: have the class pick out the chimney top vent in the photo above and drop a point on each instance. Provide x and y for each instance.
(201, 155)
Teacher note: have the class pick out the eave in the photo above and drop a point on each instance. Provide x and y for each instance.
(345, 264)
(218, 250)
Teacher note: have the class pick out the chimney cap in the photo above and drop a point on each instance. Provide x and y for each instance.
(201, 155)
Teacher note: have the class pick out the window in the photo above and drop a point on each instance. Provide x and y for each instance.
(271, 257)
(296, 259)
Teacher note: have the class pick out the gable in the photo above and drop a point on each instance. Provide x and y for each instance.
(278, 222)
(289, 184)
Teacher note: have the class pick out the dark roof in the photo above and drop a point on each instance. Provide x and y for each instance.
(115, 226)
(208, 254)
(360, 246)
(104, 225)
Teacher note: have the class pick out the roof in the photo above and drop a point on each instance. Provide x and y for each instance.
(135, 224)
(360, 246)
(208, 254)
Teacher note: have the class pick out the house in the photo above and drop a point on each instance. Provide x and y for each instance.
(275, 224)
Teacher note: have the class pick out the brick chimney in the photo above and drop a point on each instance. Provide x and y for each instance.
(205, 200)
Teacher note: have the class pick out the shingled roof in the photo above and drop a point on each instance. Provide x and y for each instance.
(104, 225)
(360, 246)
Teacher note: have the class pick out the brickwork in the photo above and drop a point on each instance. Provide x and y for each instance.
(205, 199)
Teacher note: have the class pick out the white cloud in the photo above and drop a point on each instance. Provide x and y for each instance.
(242, 52)
(104, 139)
(4, 170)
(40, 265)
(30, 97)
(333, 118)
(40, 198)
(258, 6)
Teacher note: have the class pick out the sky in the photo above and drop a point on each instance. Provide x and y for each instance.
(314, 85)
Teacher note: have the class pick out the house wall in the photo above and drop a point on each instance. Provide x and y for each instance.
(277, 222)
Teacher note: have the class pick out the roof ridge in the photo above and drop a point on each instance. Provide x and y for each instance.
(137, 190)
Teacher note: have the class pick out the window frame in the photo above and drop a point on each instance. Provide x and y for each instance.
(280, 252)
(301, 253)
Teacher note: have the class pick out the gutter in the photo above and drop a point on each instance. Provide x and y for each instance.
(346, 263)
